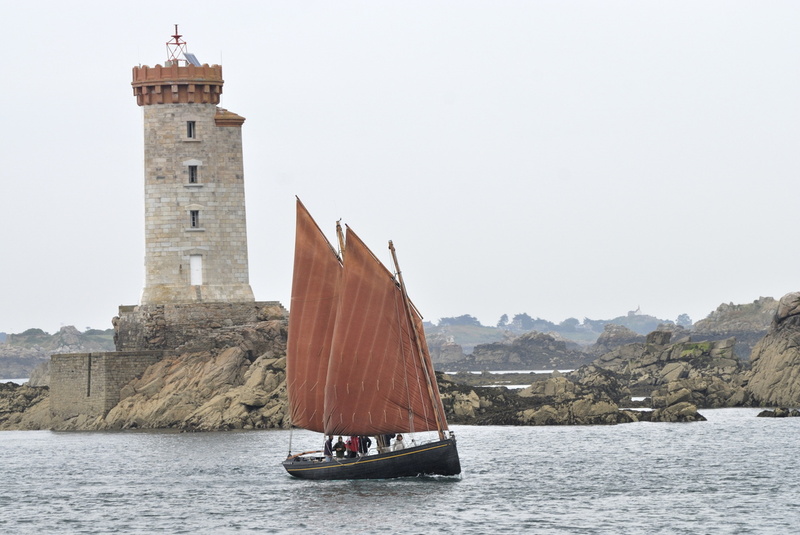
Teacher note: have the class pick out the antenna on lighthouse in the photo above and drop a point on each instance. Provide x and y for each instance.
(176, 50)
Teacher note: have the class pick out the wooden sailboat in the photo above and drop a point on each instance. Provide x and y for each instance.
(357, 362)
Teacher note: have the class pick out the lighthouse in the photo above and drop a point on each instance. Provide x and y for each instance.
(197, 295)
(195, 227)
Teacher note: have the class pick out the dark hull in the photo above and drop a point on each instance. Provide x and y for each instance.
(435, 458)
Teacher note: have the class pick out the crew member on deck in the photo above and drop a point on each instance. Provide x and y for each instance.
(339, 448)
(352, 446)
(363, 445)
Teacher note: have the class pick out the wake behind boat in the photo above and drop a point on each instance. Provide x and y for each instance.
(357, 362)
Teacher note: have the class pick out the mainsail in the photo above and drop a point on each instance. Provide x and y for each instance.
(315, 297)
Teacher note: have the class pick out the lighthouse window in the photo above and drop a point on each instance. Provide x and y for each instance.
(191, 132)
(194, 218)
(192, 174)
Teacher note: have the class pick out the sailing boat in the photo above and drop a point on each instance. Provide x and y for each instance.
(357, 363)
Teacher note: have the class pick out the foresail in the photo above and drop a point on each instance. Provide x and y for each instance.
(376, 382)
(315, 297)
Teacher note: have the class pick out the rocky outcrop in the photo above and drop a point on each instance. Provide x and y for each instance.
(444, 350)
(755, 316)
(612, 337)
(594, 398)
(708, 369)
(530, 351)
(703, 391)
(615, 387)
(774, 379)
(679, 412)
(237, 384)
(781, 412)
(24, 407)
(561, 401)
(204, 392)
(747, 323)
(40, 375)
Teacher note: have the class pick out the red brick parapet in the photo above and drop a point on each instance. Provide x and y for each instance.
(175, 84)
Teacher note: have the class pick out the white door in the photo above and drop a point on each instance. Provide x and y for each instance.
(196, 269)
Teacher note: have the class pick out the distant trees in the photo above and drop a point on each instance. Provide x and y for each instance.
(569, 324)
(522, 322)
(466, 319)
(98, 331)
(33, 332)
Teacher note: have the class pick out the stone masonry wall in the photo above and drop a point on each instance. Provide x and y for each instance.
(185, 327)
(89, 383)
(218, 235)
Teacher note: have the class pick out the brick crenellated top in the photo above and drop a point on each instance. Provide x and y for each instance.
(175, 84)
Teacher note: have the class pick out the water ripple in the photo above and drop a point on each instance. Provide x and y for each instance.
(733, 474)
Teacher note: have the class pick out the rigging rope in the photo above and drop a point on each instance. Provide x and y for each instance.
(291, 432)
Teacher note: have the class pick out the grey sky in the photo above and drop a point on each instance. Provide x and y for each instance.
(556, 158)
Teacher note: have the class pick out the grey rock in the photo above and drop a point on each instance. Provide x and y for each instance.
(774, 379)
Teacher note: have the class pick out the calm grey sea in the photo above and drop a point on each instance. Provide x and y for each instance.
(733, 474)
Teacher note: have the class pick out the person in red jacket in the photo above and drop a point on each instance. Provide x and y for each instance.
(352, 446)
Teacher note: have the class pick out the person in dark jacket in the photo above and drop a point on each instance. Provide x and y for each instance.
(339, 448)
(363, 445)
(329, 448)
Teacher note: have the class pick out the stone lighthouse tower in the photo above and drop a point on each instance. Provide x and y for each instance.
(197, 294)
(195, 231)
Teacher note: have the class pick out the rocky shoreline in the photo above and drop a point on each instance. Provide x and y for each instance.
(241, 385)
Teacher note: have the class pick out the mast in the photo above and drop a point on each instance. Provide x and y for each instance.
(340, 235)
(439, 417)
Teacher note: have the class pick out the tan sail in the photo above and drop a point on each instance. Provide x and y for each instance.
(376, 381)
(315, 298)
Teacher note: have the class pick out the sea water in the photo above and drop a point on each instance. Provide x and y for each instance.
(734, 473)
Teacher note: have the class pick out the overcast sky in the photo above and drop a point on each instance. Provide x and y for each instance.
(558, 158)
